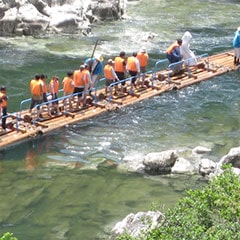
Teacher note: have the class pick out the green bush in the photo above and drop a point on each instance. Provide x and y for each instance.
(8, 236)
(211, 213)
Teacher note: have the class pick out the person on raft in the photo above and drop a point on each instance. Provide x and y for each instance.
(173, 52)
(95, 67)
(236, 46)
(187, 55)
(3, 106)
(173, 55)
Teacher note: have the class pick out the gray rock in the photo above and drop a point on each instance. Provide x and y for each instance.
(207, 166)
(136, 224)
(159, 162)
(233, 157)
(36, 17)
(201, 150)
(132, 163)
(183, 166)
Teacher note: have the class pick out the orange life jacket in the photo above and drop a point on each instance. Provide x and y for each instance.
(119, 64)
(68, 85)
(44, 86)
(3, 98)
(53, 86)
(86, 76)
(172, 47)
(36, 87)
(143, 59)
(108, 72)
(131, 64)
(78, 78)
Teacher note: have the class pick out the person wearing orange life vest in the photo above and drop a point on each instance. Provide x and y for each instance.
(68, 88)
(43, 78)
(36, 89)
(86, 76)
(173, 52)
(3, 106)
(120, 66)
(79, 84)
(110, 76)
(53, 89)
(142, 56)
(133, 67)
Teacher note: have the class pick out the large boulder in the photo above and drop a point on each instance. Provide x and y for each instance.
(30, 21)
(9, 21)
(156, 163)
(106, 10)
(36, 17)
(233, 157)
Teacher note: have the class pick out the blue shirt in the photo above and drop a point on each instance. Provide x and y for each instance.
(97, 66)
(236, 40)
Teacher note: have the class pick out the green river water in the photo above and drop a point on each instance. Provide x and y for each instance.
(65, 185)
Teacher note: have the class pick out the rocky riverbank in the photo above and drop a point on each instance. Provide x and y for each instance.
(41, 17)
(172, 161)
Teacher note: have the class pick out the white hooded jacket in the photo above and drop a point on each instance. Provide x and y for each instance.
(185, 51)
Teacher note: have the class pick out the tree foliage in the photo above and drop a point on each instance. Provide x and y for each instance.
(8, 236)
(209, 213)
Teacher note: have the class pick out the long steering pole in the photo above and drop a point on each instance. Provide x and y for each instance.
(94, 48)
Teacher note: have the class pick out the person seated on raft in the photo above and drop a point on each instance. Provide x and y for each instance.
(173, 55)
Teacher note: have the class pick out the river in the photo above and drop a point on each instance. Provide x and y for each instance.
(65, 185)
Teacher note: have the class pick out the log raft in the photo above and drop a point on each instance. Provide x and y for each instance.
(22, 126)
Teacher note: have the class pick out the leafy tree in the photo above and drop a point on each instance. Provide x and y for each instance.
(8, 236)
(211, 213)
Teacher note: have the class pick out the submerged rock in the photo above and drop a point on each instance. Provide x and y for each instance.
(201, 150)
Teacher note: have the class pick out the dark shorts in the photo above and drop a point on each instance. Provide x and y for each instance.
(109, 82)
(142, 69)
(78, 91)
(35, 102)
(4, 118)
(133, 75)
(54, 97)
(45, 98)
(121, 76)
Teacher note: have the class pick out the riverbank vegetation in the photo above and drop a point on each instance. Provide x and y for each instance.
(8, 236)
(209, 213)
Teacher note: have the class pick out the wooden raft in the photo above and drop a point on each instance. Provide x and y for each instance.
(23, 129)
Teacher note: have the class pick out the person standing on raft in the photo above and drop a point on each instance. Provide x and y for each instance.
(236, 46)
(54, 88)
(3, 106)
(95, 67)
(110, 76)
(133, 67)
(143, 57)
(36, 89)
(187, 55)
